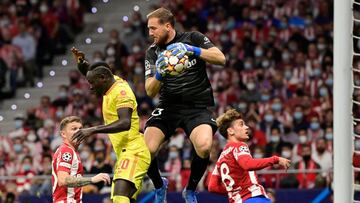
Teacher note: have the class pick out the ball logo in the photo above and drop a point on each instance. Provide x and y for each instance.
(147, 65)
(66, 157)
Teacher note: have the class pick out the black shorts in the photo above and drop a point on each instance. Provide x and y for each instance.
(168, 119)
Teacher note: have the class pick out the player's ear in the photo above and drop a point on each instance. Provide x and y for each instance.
(230, 131)
(168, 26)
(62, 134)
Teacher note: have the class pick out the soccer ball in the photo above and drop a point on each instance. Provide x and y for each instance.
(174, 64)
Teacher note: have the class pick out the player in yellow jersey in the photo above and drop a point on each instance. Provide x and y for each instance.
(121, 122)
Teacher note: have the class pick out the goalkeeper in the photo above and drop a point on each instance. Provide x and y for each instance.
(184, 99)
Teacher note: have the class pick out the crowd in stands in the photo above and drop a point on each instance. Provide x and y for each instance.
(279, 74)
(32, 32)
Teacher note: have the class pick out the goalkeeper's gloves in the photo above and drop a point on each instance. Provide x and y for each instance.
(160, 67)
(181, 47)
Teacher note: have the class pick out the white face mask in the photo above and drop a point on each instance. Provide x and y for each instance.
(286, 154)
(84, 155)
(110, 51)
(31, 137)
(302, 139)
(258, 155)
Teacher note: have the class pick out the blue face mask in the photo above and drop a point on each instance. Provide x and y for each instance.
(276, 107)
(26, 167)
(329, 82)
(323, 92)
(314, 125)
(18, 124)
(269, 118)
(317, 72)
(329, 136)
(298, 115)
(17, 148)
(287, 75)
(265, 97)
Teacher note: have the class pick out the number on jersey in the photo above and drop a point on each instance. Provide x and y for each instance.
(225, 177)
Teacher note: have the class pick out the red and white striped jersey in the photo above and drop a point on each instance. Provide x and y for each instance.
(68, 160)
(234, 173)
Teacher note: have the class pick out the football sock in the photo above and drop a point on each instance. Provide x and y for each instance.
(154, 174)
(198, 168)
(121, 199)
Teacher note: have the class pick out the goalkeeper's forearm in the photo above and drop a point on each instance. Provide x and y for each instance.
(71, 181)
(213, 55)
(83, 66)
(152, 86)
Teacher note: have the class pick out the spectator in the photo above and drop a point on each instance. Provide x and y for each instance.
(306, 180)
(24, 175)
(100, 165)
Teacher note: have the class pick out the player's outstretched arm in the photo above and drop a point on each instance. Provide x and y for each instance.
(64, 179)
(82, 64)
(123, 124)
(250, 164)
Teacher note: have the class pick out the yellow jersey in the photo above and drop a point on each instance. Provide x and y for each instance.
(121, 95)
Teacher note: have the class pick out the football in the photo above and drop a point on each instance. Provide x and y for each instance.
(175, 65)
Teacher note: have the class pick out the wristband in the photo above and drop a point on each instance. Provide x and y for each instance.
(158, 76)
(197, 51)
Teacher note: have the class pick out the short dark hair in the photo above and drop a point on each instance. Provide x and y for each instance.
(64, 122)
(225, 121)
(164, 15)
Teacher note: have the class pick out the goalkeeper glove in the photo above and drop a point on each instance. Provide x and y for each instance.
(179, 47)
(160, 67)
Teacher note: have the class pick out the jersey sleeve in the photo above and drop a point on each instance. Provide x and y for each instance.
(150, 60)
(64, 160)
(215, 183)
(124, 99)
(200, 40)
(244, 159)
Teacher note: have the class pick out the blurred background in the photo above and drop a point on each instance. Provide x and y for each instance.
(279, 74)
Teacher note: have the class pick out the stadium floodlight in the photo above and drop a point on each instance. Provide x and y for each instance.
(125, 18)
(13, 107)
(1, 118)
(100, 30)
(93, 10)
(88, 40)
(105, 1)
(52, 73)
(40, 84)
(64, 62)
(136, 8)
(27, 95)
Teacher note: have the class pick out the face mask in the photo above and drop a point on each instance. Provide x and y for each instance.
(265, 64)
(258, 52)
(285, 56)
(328, 136)
(321, 47)
(110, 51)
(138, 70)
(33, 2)
(43, 8)
(330, 81)
(314, 125)
(26, 167)
(173, 155)
(99, 159)
(18, 124)
(265, 97)
(357, 144)
(250, 86)
(1, 163)
(298, 115)
(320, 150)
(258, 155)
(247, 65)
(136, 49)
(302, 139)
(113, 156)
(287, 74)
(98, 148)
(286, 154)
(59, 114)
(31, 137)
(17, 148)
(97, 59)
(62, 94)
(242, 107)
(276, 107)
(269, 118)
(317, 72)
(323, 92)
(306, 157)
(84, 155)
(275, 138)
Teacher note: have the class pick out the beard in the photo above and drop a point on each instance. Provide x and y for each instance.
(162, 39)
